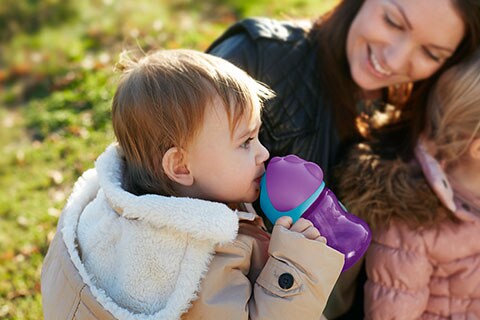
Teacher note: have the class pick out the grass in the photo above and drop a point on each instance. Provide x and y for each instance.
(56, 85)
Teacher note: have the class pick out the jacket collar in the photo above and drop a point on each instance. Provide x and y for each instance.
(203, 220)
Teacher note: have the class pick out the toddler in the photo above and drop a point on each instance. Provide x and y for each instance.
(159, 230)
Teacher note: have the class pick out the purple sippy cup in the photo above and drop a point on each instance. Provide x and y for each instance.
(294, 187)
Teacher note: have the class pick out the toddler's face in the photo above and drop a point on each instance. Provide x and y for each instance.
(224, 168)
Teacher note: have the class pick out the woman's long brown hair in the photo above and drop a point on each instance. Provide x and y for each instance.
(329, 34)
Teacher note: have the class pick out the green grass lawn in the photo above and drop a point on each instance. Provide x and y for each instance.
(56, 85)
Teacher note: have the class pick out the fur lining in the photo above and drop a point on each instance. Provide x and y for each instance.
(380, 190)
(204, 223)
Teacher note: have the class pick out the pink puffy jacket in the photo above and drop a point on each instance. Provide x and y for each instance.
(422, 265)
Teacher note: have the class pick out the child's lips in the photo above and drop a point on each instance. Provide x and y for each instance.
(259, 178)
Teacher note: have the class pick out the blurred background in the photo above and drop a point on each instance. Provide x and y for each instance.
(56, 86)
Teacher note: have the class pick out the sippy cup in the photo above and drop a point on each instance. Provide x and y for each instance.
(294, 187)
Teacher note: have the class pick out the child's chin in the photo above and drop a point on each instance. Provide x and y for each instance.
(252, 198)
(248, 198)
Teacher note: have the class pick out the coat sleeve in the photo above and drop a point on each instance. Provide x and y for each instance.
(296, 280)
(398, 271)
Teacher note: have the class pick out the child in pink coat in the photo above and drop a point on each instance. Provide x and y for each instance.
(424, 261)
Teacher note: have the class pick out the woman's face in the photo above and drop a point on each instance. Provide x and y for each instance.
(398, 41)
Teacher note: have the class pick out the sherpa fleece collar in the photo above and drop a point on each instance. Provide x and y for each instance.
(213, 222)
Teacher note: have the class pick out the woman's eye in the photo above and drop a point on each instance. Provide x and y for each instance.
(430, 55)
(392, 23)
(246, 144)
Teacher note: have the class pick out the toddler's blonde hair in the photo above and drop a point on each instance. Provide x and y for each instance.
(453, 111)
(160, 103)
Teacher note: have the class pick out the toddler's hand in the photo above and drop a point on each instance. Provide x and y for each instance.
(302, 226)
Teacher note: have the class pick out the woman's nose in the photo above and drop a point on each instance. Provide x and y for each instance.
(398, 56)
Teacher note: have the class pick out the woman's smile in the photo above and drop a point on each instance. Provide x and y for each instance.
(376, 67)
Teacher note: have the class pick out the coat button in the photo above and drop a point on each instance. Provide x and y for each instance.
(285, 281)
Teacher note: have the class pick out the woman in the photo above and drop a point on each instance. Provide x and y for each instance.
(330, 78)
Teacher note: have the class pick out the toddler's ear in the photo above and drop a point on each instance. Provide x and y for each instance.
(474, 149)
(175, 167)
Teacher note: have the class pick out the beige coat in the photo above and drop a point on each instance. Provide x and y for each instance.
(244, 279)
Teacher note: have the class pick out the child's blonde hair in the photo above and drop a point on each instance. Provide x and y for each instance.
(160, 103)
(453, 111)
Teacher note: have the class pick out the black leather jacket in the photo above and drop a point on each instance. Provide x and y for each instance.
(281, 55)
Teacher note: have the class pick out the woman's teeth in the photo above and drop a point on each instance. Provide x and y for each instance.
(376, 65)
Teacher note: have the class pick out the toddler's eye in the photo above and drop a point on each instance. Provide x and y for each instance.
(246, 144)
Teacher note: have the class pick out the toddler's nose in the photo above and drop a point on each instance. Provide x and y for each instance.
(263, 154)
